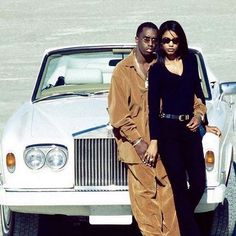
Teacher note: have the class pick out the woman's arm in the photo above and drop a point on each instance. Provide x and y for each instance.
(154, 104)
(199, 99)
(154, 97)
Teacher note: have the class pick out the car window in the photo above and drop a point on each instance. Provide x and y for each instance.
(203, 76)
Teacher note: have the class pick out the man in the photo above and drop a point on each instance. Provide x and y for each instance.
(149, 188)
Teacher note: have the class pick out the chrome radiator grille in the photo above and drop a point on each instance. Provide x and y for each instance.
(97, 164)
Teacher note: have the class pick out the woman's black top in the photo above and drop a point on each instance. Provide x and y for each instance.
(175, 91)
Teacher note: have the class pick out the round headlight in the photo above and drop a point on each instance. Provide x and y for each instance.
(34, 158)
(56, 158)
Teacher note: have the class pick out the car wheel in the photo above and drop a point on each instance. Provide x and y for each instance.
(220, 220)
(25, 224)
(6, 221)
(230, 196)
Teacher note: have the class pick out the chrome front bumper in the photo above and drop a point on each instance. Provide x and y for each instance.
(102, 207)
(211, 198)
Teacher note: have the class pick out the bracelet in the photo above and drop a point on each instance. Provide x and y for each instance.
(137, 142)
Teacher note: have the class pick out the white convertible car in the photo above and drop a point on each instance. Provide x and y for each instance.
(58, 154)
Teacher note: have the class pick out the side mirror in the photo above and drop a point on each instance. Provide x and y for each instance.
(228, 88)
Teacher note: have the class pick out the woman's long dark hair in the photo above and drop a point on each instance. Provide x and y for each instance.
(177, 28)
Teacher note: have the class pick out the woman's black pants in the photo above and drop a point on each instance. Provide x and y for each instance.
(182, 155)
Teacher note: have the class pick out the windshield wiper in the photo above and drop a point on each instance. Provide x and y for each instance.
(47, 87)
(101, 92)
(84, 94)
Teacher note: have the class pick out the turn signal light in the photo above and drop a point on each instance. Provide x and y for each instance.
(11, 162)
(209, 160)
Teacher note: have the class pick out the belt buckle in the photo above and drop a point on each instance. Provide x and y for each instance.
(181, 117)
(162, 115)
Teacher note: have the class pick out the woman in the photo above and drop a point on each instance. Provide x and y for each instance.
(173, 83)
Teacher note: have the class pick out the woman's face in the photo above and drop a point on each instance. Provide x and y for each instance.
(170, 43)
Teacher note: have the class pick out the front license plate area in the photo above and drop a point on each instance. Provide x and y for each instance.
(111, 220)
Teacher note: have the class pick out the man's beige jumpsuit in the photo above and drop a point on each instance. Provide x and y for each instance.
(149, 188)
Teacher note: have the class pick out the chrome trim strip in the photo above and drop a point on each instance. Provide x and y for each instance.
(88, 130)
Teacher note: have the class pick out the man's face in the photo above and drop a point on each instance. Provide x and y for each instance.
(147, 41)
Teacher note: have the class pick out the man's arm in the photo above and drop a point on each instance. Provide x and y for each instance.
(213, 129)
(118, 107)
(199, 114)
(199, 107)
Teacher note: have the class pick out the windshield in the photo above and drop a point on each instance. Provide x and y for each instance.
(77, 73)
(88, 72)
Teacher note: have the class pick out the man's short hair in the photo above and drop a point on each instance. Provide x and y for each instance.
(145, 25)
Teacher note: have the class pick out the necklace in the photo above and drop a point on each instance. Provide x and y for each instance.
(143, 72)
(146, 82)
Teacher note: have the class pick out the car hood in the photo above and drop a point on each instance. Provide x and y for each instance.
(69, 116)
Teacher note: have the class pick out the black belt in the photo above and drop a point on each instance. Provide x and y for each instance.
(175, 117)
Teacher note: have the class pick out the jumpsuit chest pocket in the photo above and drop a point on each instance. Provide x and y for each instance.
(139, 103)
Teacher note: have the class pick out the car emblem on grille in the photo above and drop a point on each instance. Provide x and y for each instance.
(109, 131)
